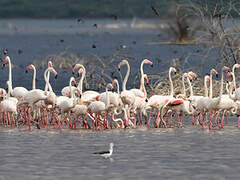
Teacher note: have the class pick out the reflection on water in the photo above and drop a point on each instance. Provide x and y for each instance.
(176, 153)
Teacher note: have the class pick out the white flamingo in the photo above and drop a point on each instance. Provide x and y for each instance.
(9, 107)
(17, 92)
(87, 96)
(158, 101)
(139, 92)
(99, 107)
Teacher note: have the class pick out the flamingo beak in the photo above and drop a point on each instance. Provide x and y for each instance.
(56, 76)
(216, 75)
(152, 65)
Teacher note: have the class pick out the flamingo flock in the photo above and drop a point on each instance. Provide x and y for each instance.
(128, 108)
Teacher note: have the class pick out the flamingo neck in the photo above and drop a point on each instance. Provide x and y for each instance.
(10, 90)
(48, 77)
(80, 84)
(141, 68)
(47, 80)
(107, 99)
(210, 86)
(190, 86)
(126, 77)
(233, 71)
(205, 87)
(142, 86)
(10, 71)
(171, 83)
(221, 87)
(183, 84)
(118, 91)
(34, 78)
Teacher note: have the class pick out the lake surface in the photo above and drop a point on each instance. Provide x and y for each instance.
(173, 153)
(180, 153)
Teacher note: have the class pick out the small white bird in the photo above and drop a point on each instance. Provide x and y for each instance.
(106, 154)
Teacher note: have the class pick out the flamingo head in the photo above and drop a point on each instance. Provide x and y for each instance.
(194, 75)
(74, 81)
(124, 61)
(6, 60)
(172, 69)
(80, 71)
(146, 61)
(50, 64)
(189, 77)
(54, 72)
(29, 67)
(225, 68)
(115, 81)
(109, 86)
(213, 71)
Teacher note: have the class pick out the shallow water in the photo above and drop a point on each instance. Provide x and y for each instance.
(174, 153)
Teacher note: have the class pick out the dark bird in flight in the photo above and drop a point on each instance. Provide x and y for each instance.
(155, 11)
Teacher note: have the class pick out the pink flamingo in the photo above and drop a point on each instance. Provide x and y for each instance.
(158, 101)
(17, 92)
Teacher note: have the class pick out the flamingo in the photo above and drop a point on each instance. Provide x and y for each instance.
(87, 96)
(139, 92)
(32, 67)
(158, 101)
(17, 92)
(9, 107)
(99, 107)
(222, 103)
(68, 103)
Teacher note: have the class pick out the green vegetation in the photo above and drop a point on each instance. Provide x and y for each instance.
(90, 8)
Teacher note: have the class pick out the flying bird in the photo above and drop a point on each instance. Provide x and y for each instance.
(155, 11)
(106, 154)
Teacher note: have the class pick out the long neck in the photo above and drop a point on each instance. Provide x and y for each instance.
(48, 77)
(107, 99)
(71, 89)
(47, 80)
(141, 68)
(183, 84)
(34, 78)
(210, 86)
(221, 87)
(234, 79)
(190, 86)
(231, 95)
(126, 77)
(171, 83)
(142, 86)
(233, 71)
(205, 87)
(10, 71)
(10, 90)
(118, 91)
(80, 84)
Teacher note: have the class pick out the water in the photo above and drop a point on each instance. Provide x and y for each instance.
(173, 153)
(184, 153)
